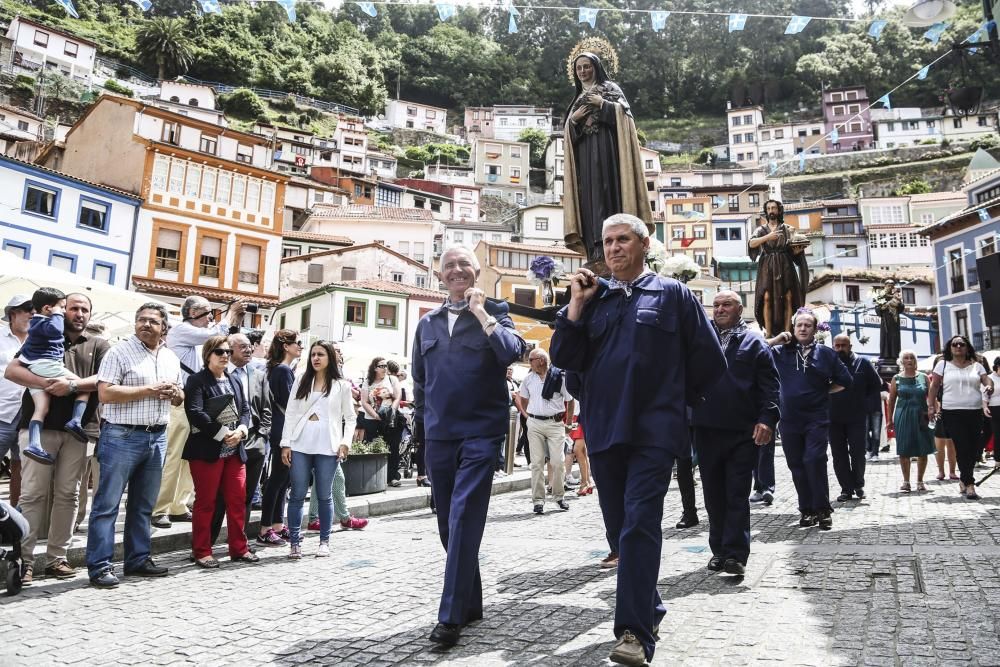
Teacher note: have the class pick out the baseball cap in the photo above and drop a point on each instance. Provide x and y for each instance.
(16, 301)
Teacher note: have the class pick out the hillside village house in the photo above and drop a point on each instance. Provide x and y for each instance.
(478, 123)
(379, 164)
(68, 223)
(555, 166)
(211, 218)
(501, 168)
(512, 119)
(295, 150)
(542, 224)
(408, 231)
(37, 46)
(958, 240)
(351, 141)
(911, 126)
(752, 141)
(371, 261)
(295, 243)
(686, 223)
(462, 200)
(893, 225)
(303, 194)
(18, 125)
(381, 314)
(847, 110)
(414, 116)
(189, 99)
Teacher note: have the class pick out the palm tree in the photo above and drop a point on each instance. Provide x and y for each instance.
(163, 40)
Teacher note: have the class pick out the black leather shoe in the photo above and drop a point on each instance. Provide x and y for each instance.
(860, 493)
(843, 498)
(539, 509)
(446, 634)
(181, 518)
(160, 521)
(715, 563)
(105, 579)
(148, 569)
(687, 522)
(733, 566)
(807, 520)
(825, 519)
(563, 505)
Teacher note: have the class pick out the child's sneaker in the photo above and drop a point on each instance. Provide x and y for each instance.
(284, 533)
(323, 551)
(74, 428)
(295, 552)
(39, 455)
(353, 523)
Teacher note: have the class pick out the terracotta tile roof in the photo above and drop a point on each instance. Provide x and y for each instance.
(352, 248)
(938, 196)
(364, 212)
(322, 238)
(394, 288)
(211, 293)
(20, 111)
(121, 193)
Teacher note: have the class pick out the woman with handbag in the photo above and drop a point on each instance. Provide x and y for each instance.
(319, 426)
(380, 397)
(220, 419)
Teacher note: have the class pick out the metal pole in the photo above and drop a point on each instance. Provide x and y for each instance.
(512, 436)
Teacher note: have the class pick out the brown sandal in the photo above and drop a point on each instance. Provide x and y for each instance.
(207, 563)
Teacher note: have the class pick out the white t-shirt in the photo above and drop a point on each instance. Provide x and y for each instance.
(961, 386)
(315, 435)
(995, 399)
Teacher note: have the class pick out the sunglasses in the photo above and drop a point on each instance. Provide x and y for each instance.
(382, 366)
(220, 352)
(958, 344)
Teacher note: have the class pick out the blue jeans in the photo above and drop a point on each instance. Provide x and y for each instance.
(134, 457)
(874, 431)
(763, 468)
(324, 466)
(8, 438)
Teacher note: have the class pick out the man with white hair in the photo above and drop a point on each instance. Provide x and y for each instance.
(644, 350)
(185, 341)
(461, 353)
(737, 417)
(544, 398)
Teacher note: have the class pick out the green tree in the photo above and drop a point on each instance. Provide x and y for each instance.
(538, 140)
(915, 187)
(164, 41)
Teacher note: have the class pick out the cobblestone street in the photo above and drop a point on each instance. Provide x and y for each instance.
(902, 579)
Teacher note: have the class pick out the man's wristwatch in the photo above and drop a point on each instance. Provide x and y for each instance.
(72, 387)
(489, 324)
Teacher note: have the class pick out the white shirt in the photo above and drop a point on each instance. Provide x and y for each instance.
(313, 438)
(244, 379)
(995, 399)
(10, 393)
(185, 339)
(452, 318)
(531, 389)
(961, 386)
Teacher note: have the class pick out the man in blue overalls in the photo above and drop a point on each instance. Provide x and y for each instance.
(809, 373)
(644, 349)
(461, 352)
(736, 418)
(849, 412)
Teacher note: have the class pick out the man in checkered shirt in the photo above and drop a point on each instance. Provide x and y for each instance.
(139, 379)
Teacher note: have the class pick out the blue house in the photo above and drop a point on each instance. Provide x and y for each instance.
(958, 240)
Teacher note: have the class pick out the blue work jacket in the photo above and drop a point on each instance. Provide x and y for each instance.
(460, 379)
(854, 403)
(747, 393)
(642, 360)
(805, 388)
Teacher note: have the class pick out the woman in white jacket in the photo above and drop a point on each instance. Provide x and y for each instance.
(319, 425)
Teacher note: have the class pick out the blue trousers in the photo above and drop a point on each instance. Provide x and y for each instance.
(304, 466)
(726, 460)
(133, 457)
(763, 468)
(874, 427)
(848, 444)
(805, 452)
(461, 474)
(632, 482)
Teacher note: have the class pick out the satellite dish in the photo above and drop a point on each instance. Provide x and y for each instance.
(928, 12)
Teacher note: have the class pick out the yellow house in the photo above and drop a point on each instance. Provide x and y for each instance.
(688, 229)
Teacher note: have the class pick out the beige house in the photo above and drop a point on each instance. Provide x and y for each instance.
(501, 168)
(408, 231)
(371, 261)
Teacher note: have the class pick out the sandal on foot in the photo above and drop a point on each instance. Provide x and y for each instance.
(921, 486)
(208, 563)
(248, 557)
(940, 477)
(905, 488)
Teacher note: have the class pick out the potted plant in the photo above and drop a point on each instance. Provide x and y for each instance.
(366, 469)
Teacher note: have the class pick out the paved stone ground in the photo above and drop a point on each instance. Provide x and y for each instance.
(902, 579)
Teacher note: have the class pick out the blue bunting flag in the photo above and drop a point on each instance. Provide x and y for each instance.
(445, 10)
(802, 161)
(737, 22)
(144, 5)
(659, 20)
(922, 74)
(511, 24)
(772, 167)
(885, 100)
(68, 6)
(835, 136)
(797, 25)
(588, 15)
(210, 6)
(289, 6)
(368, 8)
(935, 31)
(876, 28)
(984, 215)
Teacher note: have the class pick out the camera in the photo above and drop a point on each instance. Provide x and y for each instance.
(251, 308)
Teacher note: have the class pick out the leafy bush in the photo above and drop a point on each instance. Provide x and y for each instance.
(285, 104)
(986, 143)
(116, 87)
(244, 104)
(376, 446)
(913, 187)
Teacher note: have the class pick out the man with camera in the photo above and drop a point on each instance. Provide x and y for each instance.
(185, 340)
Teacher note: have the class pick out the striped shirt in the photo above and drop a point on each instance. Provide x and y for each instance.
(132, 364)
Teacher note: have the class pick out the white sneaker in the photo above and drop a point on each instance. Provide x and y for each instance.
(757, 497)
(324, 550)
(295, 552)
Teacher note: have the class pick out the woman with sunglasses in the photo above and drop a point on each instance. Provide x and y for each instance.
(285, 349)
(961, 376)
(320, 424)
(215, 452)
(380, 397)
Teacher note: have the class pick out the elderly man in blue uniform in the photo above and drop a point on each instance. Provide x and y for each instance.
(644, 349)
(461, 353)
(849, 411)
(809, 373)
(736, 417)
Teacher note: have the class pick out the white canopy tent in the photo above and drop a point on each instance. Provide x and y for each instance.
(114, 307)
